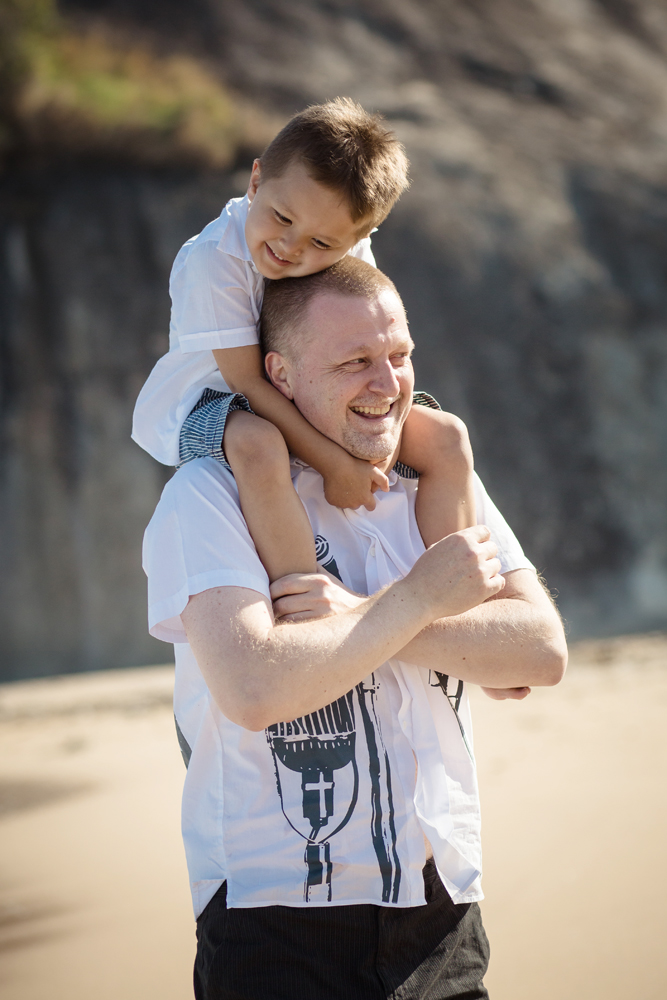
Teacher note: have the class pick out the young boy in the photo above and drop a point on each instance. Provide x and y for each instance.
(319, 189)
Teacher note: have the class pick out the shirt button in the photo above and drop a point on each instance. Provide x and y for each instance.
(372, 550)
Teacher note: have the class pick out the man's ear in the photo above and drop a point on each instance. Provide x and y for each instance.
(255, 177)
(279, 371)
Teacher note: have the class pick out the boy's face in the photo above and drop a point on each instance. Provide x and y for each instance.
(295, 225)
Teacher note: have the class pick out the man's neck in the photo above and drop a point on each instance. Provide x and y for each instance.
(388, 463)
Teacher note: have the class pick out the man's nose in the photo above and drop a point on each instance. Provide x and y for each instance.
(384, 380)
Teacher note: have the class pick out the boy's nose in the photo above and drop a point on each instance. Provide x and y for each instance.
(292, 245)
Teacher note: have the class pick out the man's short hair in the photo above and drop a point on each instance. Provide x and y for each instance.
(346, 149)
(286, 301)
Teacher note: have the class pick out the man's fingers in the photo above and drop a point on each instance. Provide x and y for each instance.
(371, 503)
(302, 616)
(488, 549)
(295, 583)
(507, 694)
(479, 532)
(289, 606)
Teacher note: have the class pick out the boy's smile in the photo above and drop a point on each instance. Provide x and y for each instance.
(297, 226)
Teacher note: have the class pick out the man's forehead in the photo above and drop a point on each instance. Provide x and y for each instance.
(360, 318)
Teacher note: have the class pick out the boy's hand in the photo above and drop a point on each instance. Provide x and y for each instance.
(351, 483)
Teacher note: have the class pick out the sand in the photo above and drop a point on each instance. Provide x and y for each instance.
(93, 888)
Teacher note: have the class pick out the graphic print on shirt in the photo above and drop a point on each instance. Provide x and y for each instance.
(321, 748)
(323, 556)
(454, 699)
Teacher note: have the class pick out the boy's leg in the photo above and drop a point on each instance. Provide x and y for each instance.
(276, 518)
(436, 444)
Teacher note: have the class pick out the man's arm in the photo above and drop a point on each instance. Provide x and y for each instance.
(514, 639)
(260, 672)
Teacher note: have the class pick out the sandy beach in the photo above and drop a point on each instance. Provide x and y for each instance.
(94, 900)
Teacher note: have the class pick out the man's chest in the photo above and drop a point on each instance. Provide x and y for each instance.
(366, 550)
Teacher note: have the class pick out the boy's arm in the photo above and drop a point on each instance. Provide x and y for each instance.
(348, 481)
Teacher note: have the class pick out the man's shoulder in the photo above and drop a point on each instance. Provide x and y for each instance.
(201, 481)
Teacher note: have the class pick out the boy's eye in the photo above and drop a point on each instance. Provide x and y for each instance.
(320, 245)
(283, 218)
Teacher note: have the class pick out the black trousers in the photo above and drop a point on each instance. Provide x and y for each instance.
(359, 952)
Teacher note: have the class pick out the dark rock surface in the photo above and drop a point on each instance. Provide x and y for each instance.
(531, 253)
(84, 265)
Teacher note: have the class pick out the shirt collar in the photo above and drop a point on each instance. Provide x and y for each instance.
(233, 239)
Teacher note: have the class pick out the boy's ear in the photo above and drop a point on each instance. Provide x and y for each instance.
(253, 183)
(278, 369)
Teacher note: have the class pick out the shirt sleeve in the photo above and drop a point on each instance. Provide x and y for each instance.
(196, 540)
(215, 299)
(362, 250)
(510, 553)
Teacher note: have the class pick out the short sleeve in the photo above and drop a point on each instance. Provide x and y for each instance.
(510, 553)
(216, 299)
(362, 250)
(196, 540)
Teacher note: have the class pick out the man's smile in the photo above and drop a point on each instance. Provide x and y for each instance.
(379, 410)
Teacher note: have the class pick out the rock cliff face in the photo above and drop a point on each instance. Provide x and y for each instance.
(531, 253)
(84, 264)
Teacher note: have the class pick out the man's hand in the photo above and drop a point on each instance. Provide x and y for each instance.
(351, 482)
(503, 694)
(459, 572)
(302, 596)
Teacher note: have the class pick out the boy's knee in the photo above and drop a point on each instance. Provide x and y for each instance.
(453, 440)
(252, 442)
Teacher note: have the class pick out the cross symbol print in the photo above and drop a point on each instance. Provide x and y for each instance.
(321, 786)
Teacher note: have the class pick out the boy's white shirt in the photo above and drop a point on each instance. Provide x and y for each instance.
(235, 827)
(216, 294)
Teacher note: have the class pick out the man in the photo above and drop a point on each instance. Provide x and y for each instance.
(308, 830)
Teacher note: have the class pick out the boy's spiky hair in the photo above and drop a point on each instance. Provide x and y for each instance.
(347, 149)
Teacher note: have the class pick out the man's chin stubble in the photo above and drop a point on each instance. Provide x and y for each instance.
(368, 451)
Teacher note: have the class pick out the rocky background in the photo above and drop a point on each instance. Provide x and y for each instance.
(531, 252)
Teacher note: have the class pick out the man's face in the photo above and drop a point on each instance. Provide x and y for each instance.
(297, 226)
(353, 380)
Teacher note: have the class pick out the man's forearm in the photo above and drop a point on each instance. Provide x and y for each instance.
(513, 640)
(259, 673)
